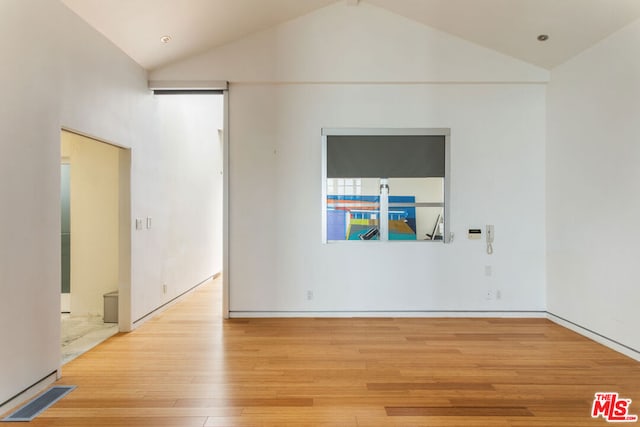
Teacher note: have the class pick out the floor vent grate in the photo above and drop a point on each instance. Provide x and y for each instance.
(34, 408)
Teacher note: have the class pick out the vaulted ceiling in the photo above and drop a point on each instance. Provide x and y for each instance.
(507, 26)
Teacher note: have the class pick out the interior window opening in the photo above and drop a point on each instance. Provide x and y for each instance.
(385, 186)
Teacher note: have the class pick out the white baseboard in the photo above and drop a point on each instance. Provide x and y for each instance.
(29, 393)
(594, 336)
(399, 314)
(170, 303)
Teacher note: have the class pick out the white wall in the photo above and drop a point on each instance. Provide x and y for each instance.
(181, 190)
(498, 177)
(290, 81)
(57, 72)
(593, 182)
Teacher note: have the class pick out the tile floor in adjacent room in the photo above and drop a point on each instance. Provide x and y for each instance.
(82, 333)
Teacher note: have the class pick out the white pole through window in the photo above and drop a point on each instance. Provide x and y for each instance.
(384, 209)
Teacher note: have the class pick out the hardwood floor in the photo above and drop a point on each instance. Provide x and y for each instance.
(188, 367)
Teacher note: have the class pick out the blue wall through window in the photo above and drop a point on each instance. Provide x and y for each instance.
(352, 217)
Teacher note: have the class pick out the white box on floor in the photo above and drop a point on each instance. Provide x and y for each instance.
(111, 307)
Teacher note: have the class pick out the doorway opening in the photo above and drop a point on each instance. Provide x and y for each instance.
(95, 241)
(204, 108)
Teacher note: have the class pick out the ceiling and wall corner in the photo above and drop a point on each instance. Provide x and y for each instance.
(512, 27)
(194, 26)
(366, 44)
(506, 26)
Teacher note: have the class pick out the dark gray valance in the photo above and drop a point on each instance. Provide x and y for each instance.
(385, 156)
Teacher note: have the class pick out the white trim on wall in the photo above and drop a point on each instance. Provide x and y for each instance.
(30, 392)
(171, 302)
(225, 206)
(188, 85)
(389, 314)
(595, 336)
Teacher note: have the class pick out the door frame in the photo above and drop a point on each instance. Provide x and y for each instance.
(125, 323)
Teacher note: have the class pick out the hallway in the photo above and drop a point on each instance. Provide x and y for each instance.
(188, 367)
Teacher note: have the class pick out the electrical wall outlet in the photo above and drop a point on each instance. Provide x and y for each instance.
(309, 295)
(493, 294)
(488, 270)
(164, 288)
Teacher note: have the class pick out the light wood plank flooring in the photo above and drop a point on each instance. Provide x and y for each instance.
(188, 367)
